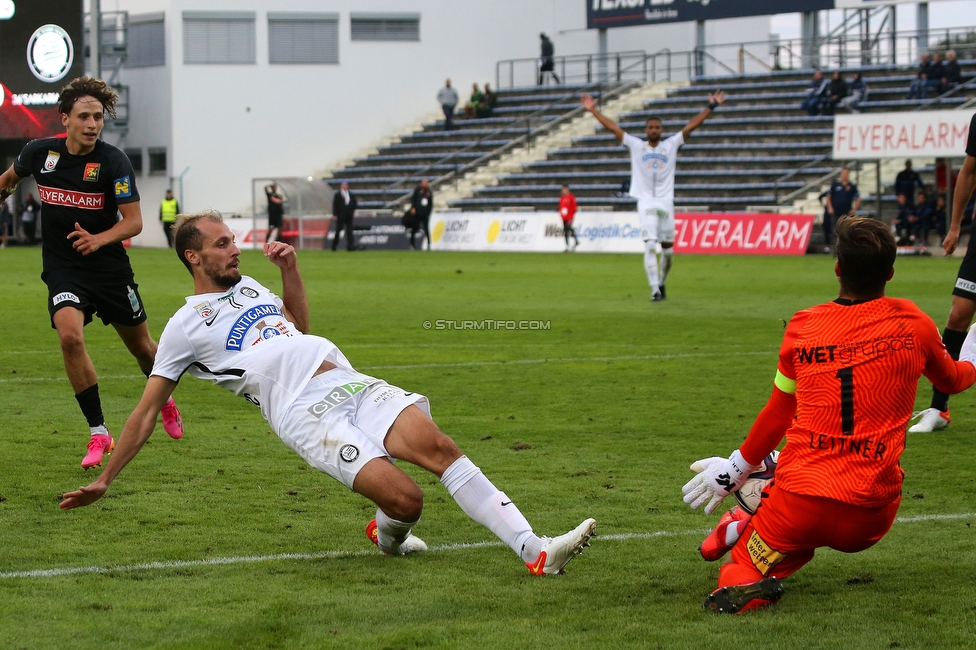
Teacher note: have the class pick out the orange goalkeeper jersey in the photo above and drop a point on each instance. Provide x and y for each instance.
(856, 368)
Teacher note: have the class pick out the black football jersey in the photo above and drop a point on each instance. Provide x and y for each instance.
(79, 189)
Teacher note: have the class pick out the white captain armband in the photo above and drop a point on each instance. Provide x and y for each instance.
(784, 383)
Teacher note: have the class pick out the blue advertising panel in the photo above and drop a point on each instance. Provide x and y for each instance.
(603, 14)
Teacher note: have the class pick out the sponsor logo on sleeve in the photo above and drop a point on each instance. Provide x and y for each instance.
(123, 187)
(65, 296)
(91, 172)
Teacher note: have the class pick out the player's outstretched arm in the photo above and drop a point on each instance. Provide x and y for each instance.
(590, 104)
(714, 99)
(8, 182)
(137, 430)
(292, 285)
(965, 185)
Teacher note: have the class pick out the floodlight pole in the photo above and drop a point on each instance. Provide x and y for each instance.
(95, 39)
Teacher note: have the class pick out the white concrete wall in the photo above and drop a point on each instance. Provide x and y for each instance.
(232, 123)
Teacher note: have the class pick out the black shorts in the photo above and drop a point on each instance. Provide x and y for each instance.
(966, 279)
(118, 304)
(274, 220)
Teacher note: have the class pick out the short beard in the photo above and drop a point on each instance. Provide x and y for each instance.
(226, 278)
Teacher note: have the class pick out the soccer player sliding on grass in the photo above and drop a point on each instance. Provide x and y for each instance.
(235, 332)
(843, 394)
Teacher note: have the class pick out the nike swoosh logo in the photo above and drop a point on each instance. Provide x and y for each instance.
(48, 171)
(407, 394)
(506, 503)
(211, 320)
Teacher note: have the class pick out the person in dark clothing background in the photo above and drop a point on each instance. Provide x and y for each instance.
(421, 204)
(836, 91)
(276, 211)
(28, 218)
(546, 61)
(906, 181)
(344, 209)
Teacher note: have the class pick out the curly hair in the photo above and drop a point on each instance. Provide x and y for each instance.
(87, 87)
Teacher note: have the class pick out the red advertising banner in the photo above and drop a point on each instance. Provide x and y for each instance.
(742, 233)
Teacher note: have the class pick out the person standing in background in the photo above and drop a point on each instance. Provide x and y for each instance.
(421, 205)
(567, 211)
(168, 210)
(546, 61)
(28, 218)
(448, 99)
(344, 209)
(276, 211)
(6, 219)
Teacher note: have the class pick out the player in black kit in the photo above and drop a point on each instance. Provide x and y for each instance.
(83, 183)
(963, 294)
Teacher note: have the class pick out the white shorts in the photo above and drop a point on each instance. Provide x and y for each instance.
(656, 220)
(340, 421)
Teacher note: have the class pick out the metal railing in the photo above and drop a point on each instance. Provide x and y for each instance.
(838, 49)
(615, 67)
(952, 91)
(526, 138)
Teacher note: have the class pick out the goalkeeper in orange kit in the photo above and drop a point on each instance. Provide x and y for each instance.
(842, 397)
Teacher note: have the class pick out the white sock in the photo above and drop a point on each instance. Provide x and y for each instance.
(390, 532)
(100, 430)
(667, 258)
(650, 264)
(490, 507)
(732, 532)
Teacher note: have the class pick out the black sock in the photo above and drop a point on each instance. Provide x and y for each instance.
(953, 340)
(91, 406)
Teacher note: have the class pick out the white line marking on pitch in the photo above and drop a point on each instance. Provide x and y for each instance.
(464, 364)
(251, 559)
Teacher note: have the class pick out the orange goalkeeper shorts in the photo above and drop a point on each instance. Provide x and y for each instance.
(788, 528)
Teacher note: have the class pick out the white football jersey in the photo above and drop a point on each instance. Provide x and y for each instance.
(241, 340)
(652, 168)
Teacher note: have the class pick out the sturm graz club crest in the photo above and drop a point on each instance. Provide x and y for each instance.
(348, 453)
(50, 53)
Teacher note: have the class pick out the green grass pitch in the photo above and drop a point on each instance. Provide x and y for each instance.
(226, 539)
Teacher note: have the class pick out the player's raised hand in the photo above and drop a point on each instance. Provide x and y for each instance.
(84, 242)
(717, 97)
(588, 102)
(281, 254)
(83, 496)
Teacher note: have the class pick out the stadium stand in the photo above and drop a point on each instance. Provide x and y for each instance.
(395, 169)
(757, 150)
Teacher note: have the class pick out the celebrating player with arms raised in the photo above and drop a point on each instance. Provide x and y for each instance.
(843, 394)
(652, 166)
(83, 183)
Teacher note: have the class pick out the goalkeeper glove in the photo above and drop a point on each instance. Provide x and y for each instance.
(716, 479)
